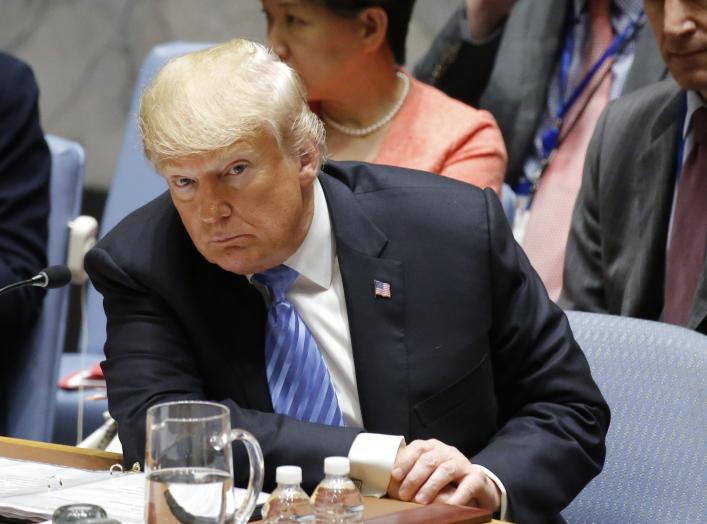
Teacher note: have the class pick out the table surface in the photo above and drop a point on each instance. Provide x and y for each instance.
(61, 455)
(57, 454)
(375, 507)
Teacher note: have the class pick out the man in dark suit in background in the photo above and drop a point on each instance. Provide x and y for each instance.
(315, 304)
(24, 208)
(513, 57)
(639, 230)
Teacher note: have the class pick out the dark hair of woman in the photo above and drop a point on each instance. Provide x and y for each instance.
(398, 11)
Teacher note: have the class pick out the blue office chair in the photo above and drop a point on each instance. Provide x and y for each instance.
(134, 184)
(654, 377)
(31, 398)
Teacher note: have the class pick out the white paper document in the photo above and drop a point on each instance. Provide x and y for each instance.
(32, 491)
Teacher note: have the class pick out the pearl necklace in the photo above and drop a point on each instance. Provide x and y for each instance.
(363, 131)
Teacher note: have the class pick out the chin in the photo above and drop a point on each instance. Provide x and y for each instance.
(239, 267)
(228, 261)
(243, 265)
(244, 260)
(691, 78)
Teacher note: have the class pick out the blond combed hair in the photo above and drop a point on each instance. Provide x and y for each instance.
(204, 102)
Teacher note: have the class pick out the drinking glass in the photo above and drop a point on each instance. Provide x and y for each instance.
(189, 466)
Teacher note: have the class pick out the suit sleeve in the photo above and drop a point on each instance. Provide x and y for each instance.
(583, 288)
(457, 66)
(553, 419)
(24, 195)
(149, 360)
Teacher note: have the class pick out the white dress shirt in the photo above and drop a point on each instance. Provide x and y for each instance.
(318, 296)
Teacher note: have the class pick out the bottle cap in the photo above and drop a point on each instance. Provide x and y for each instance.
(288, 475)
(336, 466)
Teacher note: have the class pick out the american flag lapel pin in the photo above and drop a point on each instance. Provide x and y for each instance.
(381, 289)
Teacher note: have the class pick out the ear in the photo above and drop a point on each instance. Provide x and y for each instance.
(309, 165)
(374, 24)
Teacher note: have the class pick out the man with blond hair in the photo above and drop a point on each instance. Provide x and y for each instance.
(343, 309)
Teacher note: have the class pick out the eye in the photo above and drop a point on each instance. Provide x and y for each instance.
(182, 182)
(293, 20)
(237, 169)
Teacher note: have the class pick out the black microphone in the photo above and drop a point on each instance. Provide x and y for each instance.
(50, 278)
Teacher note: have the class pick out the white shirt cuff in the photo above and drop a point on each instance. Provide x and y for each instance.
(372, 456)
(504, 513)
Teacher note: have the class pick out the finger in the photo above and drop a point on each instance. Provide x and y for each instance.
(407, 457)
(477, 489)
(468, 490)
(445, 494)
(425, 465)
(394, 488)
(490, 496)
(443, 475)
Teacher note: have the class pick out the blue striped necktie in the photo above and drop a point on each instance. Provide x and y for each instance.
(299, 382)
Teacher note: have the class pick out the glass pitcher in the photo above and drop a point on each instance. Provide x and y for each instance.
(189, 466)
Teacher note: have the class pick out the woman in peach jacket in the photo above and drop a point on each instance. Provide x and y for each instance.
(347, 53)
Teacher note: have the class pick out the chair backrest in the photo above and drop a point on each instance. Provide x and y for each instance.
(135, 182)
(32, 390)
(654, 377)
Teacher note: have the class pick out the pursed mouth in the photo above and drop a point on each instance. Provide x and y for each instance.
(225, 239)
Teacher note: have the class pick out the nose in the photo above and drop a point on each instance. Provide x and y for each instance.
(277, 40)
(677, 19)
(214, 206)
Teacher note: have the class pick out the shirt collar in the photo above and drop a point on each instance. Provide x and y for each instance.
(694, 102)
(314, 258)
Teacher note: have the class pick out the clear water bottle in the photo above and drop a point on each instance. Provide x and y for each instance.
(288, 504)
(337, 499)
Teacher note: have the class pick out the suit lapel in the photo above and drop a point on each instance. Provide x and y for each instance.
(376, 323)
(654, 185)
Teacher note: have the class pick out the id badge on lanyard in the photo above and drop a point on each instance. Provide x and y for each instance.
(525, 189)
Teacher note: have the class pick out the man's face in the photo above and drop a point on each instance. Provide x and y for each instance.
(247, 208)
(680, 27)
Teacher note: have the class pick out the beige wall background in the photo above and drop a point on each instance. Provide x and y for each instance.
(86, 55)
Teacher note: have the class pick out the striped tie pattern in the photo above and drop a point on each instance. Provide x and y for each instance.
(299, 382)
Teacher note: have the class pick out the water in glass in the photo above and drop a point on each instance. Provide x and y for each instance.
(187, 495)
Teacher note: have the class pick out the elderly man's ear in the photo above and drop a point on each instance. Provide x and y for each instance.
(309, 165)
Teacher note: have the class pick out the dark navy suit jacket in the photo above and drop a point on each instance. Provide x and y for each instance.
(469, 349)
(24, 208)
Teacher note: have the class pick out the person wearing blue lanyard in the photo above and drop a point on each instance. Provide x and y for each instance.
(523, 60)
(639, 231)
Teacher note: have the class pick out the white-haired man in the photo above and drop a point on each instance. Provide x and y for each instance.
(338, 309)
